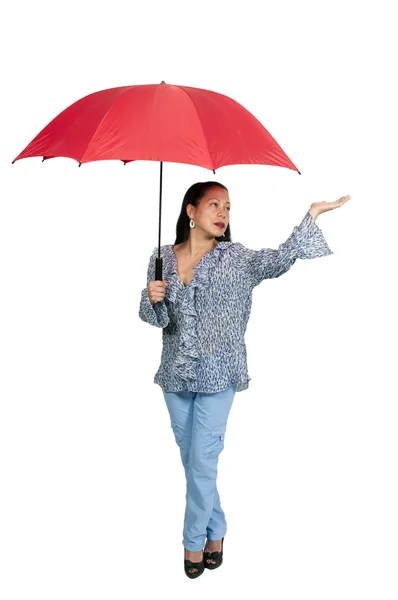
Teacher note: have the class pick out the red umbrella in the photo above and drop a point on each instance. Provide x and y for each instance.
(166, 123)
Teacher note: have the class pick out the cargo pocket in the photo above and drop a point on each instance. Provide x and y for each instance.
(214, 444)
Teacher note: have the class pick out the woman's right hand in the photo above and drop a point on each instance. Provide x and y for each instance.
(157, 290)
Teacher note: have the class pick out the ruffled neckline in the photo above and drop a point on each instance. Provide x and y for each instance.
(200, 271)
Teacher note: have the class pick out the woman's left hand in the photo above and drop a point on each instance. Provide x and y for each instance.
(317, 208)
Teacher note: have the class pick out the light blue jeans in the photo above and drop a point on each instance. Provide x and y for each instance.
(199, 422)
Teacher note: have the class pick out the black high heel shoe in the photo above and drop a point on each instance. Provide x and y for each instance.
(200, 566)
(216, 556)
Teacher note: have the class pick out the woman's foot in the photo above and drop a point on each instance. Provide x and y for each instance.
(212, 546)
(195, 557)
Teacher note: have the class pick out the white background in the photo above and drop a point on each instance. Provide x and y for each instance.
(92, 487)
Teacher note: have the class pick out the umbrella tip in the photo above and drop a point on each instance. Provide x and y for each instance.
(298, 172)
(13, 161)
(44, 158)
(214, 172)
(162, 82)
(79, 165)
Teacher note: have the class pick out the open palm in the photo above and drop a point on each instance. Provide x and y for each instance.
(324, 206)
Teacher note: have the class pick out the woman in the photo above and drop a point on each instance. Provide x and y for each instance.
(203, 306)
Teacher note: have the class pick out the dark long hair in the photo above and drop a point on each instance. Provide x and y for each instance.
(193, 196)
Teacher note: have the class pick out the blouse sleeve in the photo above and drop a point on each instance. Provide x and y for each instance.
(157, 314)
(306, 242)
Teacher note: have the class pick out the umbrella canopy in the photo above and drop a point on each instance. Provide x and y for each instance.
(159, 122)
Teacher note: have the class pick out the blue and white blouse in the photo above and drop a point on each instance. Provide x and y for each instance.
(204, 323)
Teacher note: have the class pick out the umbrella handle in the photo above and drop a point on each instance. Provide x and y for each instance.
(158, 268)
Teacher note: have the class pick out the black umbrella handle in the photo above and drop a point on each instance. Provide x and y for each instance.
(158, 268)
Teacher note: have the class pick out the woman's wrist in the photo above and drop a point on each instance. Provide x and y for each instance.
(314, 213)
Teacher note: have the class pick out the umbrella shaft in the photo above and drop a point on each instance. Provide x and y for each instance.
(160, 203)
(159, 261)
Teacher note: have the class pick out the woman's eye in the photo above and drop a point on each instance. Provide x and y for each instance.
(215, 204)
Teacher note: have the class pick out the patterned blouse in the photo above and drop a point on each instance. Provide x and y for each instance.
(204, 323)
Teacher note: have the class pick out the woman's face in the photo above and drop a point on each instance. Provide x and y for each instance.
(213, 208)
